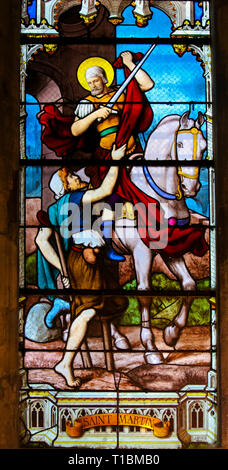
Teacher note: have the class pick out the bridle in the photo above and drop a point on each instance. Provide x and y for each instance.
(179, 195)
(195, 132)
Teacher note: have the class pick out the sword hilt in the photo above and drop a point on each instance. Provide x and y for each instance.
(109, 105)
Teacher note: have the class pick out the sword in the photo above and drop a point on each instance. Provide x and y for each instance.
(119, 92)
(124, 85)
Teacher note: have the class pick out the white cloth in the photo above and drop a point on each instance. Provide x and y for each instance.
(88, 238)
(56, 185)
(84, 108)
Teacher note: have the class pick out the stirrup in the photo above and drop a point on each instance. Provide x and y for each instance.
(114, 256)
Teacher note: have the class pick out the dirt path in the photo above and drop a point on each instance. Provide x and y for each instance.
(188, 363)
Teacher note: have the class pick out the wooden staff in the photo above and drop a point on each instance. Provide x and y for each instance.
(44, 220)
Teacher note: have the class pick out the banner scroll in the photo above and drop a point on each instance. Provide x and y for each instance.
(122, 419)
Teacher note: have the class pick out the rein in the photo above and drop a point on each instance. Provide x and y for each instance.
(179, 195)
(156, 188)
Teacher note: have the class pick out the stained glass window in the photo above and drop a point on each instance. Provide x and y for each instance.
(117, 243)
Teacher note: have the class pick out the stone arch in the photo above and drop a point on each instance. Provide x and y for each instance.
(37, 414)
(42, 73)
(152, 412)
(196, 415)
(65, 415)
(53, 415)
(169, 415)
(60, 6)
(43, 87)
(98, 411)
(83, 412)
(32, 50)
(177, 11)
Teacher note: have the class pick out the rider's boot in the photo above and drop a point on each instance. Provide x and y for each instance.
(107, 227)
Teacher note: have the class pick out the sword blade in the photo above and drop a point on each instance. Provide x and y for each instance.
(130, 78)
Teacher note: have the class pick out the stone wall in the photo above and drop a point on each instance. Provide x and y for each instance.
(221, 153)
(9, 100)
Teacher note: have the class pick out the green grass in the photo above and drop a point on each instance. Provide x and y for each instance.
(31, 269)
(200, 445)
(161, 281)
(164, 308)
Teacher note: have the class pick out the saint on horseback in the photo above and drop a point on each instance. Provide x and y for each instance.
(157, 193)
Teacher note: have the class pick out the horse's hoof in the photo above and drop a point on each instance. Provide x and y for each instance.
(154, 358)
(122, 343)
(171, 335)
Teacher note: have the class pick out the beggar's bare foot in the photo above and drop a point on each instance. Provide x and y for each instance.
(66, 372)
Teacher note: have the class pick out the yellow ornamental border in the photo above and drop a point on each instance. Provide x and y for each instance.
(122, 419)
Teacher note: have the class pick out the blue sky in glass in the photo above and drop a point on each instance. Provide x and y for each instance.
(33, 128)
(200, 203)
(33, 147)
(33, 181)
(176, 79)
(155, 27)
(198, 11)
(32, 10)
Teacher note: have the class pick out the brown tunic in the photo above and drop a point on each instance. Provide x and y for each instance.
(101, 275)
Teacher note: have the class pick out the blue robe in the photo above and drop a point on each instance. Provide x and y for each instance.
(47, 274)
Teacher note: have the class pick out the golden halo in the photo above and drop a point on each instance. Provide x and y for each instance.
(91, 62)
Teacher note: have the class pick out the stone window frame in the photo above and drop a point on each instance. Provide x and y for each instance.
(38, 407)
(196, 407)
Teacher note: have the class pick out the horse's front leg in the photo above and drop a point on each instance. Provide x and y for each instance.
(172, 332)
(143, 263)
(178, 267)
(151, 354)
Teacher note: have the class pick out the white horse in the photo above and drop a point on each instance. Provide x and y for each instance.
(175, 138)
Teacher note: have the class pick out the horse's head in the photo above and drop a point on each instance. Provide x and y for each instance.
(189, 145)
